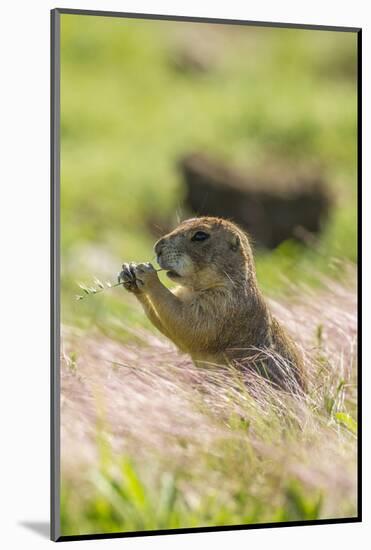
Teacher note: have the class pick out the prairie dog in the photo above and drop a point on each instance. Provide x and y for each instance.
(217, 313)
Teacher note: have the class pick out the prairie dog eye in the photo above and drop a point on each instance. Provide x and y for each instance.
(200, 236)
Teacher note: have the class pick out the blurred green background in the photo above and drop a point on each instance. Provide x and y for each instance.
(129, 110)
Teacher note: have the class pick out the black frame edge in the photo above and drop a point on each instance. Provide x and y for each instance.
(161, 532)
(55, 276)
(359, 269)
(197, 19)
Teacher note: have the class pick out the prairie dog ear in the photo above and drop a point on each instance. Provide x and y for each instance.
(235, 242)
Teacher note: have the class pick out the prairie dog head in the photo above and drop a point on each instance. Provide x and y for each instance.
(206, 252)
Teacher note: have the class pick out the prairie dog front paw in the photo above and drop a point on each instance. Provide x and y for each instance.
(138, 277)
(128, 278)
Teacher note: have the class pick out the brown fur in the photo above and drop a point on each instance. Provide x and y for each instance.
(217, 314)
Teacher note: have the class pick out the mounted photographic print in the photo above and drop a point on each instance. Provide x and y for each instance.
(205, 192)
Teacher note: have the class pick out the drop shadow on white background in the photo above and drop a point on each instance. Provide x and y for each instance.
(41, 528)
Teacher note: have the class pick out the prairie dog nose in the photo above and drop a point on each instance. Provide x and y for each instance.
(158, 246)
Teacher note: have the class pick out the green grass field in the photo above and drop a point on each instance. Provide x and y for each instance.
(127, 115)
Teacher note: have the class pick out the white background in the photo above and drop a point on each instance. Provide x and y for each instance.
(24, 254)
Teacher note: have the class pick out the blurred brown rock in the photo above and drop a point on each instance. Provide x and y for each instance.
(273, 205)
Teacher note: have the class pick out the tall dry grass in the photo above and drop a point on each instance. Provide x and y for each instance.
(148, 441)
